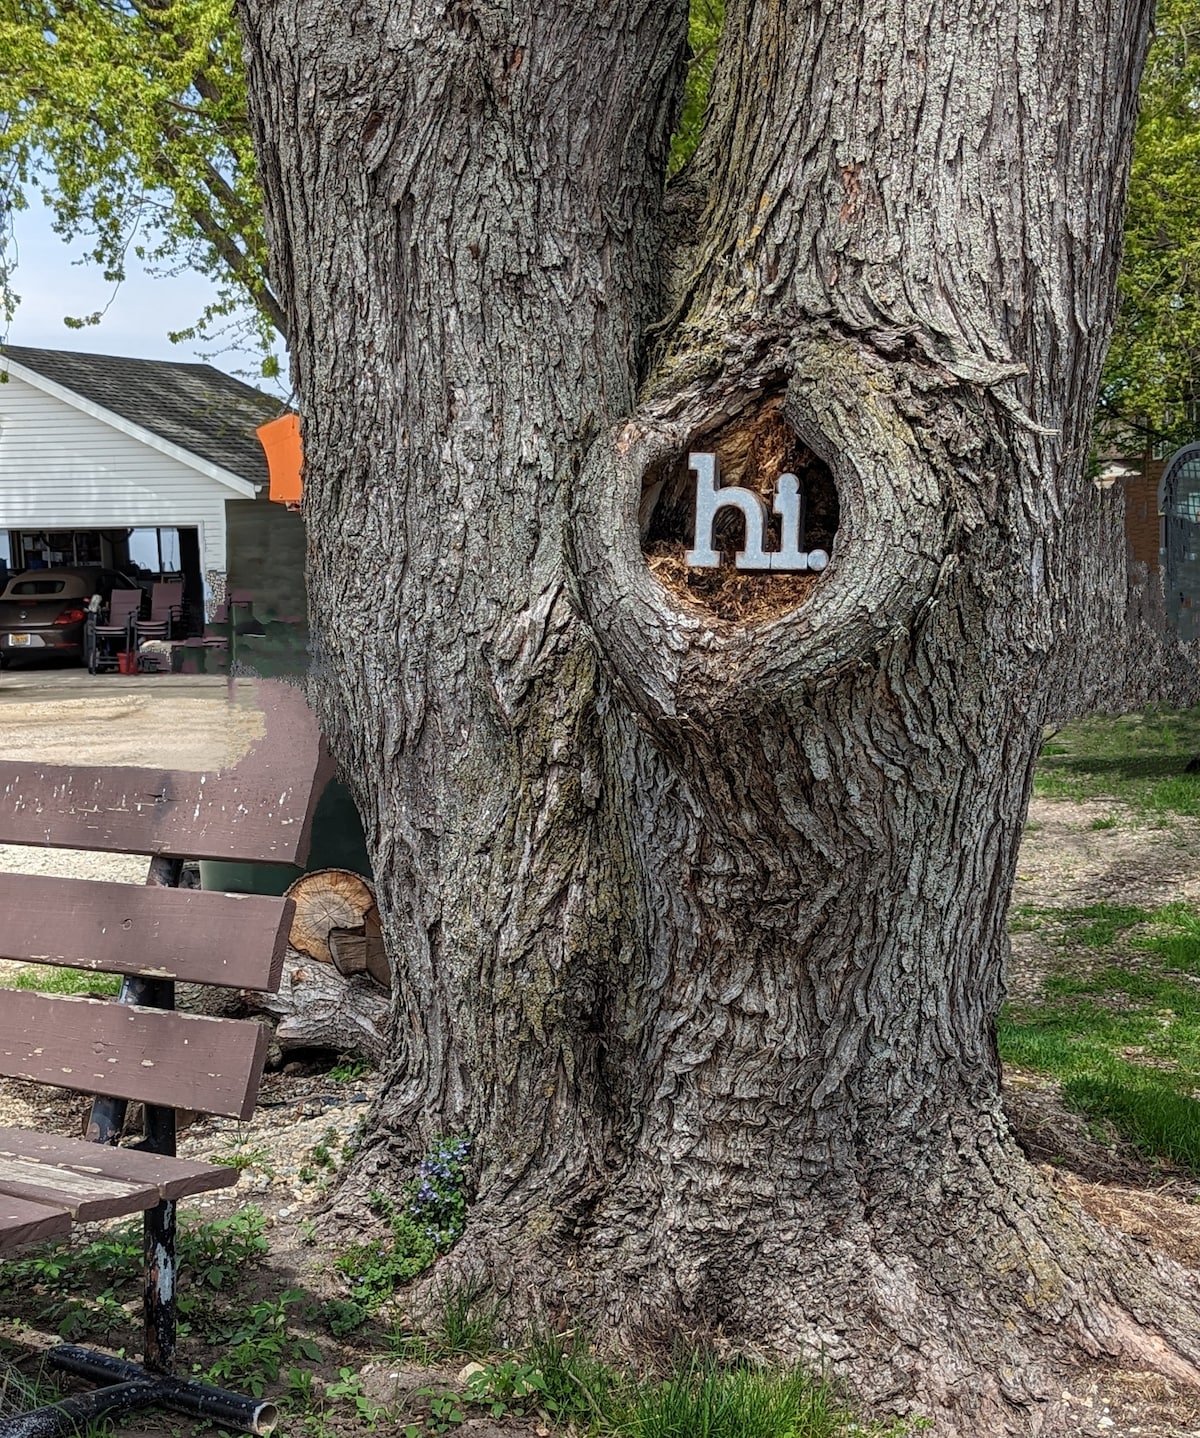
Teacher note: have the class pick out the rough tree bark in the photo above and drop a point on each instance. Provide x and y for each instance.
(698, 925)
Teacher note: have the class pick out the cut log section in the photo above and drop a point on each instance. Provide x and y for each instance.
(319, 1008)
(335, 983)
(337, 923)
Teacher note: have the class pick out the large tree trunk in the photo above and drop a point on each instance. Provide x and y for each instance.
(698, 923)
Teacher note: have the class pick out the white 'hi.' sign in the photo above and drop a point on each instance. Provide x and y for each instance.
(789, 506)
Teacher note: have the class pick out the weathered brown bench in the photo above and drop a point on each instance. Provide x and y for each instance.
(138, 1048)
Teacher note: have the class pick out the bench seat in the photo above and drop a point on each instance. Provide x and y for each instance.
(138, 1048)
(46, 1179)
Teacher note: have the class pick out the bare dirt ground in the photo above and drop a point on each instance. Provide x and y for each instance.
(63, 716)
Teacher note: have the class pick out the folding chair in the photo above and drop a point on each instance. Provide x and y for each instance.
(166, 610)
(110, 637)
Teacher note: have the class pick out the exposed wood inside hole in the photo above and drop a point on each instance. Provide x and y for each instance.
(754, 450)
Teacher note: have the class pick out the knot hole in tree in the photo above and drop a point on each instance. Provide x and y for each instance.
(753, 451)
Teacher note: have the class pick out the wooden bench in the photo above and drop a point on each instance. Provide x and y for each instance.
(138, 1048)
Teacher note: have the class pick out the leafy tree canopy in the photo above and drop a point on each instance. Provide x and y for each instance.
(129, 116)
(1152, 379)
(705, 19)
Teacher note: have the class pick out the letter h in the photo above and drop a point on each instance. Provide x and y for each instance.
(710, 500)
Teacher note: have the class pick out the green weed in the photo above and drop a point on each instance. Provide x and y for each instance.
(348, 1389)
(83, 1291)
(349, 1069)
(324, 1154)
(237, 1153)
(573, 1383)
(258, 1343)
(343, 1316)
(428, 1221)
(219, 1251)
(445, 1414)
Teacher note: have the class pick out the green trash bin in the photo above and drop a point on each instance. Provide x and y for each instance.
(337, 843)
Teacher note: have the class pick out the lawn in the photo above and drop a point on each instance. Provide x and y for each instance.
(1118, 1022)
(1139, 759)
(1116, 1019)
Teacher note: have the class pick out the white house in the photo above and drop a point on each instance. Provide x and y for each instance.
(131, 462)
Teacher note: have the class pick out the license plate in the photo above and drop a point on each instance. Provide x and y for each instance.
(19, 641)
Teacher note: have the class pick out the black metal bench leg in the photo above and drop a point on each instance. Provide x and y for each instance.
(151, 1383)
(158, 1239)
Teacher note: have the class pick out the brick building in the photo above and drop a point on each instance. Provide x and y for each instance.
(1162, 524)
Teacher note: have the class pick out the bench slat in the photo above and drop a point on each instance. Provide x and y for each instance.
(168, 1177)
(22, 1222)
(85, 1196)
(171, 1059)
(230, 939)
(260, 810)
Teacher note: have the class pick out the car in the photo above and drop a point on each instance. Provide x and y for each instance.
(44, 611)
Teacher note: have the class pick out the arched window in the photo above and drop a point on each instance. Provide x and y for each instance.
(1179, 505)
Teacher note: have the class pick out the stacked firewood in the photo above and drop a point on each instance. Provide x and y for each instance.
(335, 989)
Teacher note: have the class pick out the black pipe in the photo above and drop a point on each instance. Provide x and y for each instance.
(183, 1395)
(73, 1415)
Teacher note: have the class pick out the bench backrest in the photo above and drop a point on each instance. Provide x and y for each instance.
(260, 810)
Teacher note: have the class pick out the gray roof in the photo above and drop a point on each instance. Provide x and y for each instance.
(195, 406)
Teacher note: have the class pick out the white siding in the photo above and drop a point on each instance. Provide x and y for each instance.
(61, 469)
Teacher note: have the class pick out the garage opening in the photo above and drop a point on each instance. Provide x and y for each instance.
(1179, 506)
(148, 554)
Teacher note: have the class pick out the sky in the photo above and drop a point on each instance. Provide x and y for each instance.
(140, 312)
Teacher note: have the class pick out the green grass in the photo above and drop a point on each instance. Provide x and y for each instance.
(1097, 926)
(463, 1324)
(563, 1381)
(63, 981)
(1120, 1030)
(1138, 759)
(705, 1400)
(19, 1393)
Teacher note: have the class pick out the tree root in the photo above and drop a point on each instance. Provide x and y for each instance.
(975, 1311)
